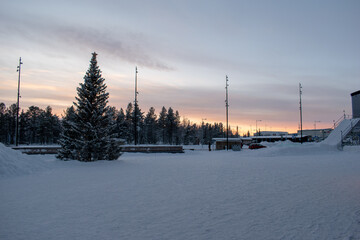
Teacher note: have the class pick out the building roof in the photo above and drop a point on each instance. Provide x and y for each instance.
(355, 93)
(224, 139)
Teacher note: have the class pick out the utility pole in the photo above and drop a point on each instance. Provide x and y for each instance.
(227, 113)
(135, 108)
(17, 106)
(301, 133)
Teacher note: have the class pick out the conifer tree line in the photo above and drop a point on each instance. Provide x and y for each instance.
(41, 126)
(91, 124)
(164, 127)
(36, 125)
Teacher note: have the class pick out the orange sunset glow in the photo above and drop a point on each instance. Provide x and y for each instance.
(182, 62)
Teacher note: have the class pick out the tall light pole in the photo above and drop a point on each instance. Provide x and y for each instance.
(315, 127)
(135, 108)
(227, 113)
(256, 129)
(300, 93)
(17, 105)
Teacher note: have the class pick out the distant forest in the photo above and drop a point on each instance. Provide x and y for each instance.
(41, 126)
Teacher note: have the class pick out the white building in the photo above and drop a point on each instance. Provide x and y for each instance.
(316, 134)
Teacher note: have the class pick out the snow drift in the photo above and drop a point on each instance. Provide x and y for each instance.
(13, 163)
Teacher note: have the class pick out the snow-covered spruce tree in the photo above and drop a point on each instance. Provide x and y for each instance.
(93, 121)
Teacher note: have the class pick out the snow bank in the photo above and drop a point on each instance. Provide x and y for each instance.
(288, 148)
(14, 163)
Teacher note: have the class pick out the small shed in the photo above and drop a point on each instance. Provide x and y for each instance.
(221, 143)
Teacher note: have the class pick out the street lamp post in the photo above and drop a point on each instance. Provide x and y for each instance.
(315, 127)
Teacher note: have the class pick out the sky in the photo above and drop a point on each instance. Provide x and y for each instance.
(183, 51)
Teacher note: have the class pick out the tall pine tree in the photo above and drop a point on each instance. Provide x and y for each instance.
(162, 123)
(150, 126)
(93, 120)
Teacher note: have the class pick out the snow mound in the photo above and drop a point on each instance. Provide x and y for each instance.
(289, 148)
(14, 163)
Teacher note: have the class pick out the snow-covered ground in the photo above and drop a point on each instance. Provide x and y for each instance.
(285, 191)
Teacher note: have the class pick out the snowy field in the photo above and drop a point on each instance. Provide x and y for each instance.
(286, 191)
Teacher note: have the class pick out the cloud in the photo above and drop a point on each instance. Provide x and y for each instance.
(117, 43)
